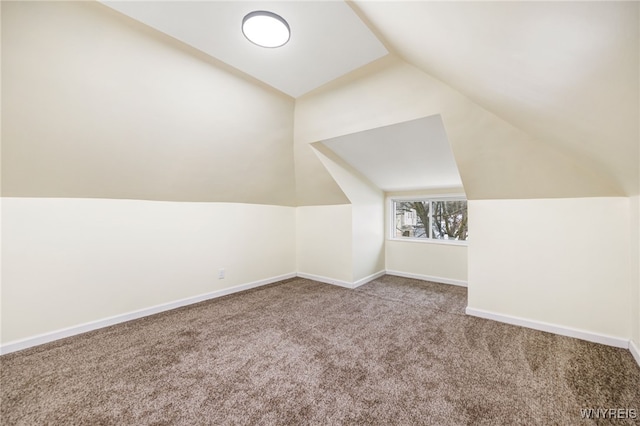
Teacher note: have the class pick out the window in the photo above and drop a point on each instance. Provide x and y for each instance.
(436, 219)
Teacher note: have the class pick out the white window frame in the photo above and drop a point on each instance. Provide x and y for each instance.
(391, 217)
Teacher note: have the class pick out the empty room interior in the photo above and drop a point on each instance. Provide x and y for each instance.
(396, 213)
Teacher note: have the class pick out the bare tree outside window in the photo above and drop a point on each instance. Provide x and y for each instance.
(450, 220)
(434, 219)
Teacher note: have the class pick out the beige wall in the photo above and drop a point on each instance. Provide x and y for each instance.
(71, 261)
(324, 241)
(430, 261)
(368, 240)
(367, 209)
(96, 105)
(564, 262)
(495, 159)
(564, 72)
(440, 262)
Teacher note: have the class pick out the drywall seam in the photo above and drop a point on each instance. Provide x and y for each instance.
(439, 280)
(117, 319)
(551, 328)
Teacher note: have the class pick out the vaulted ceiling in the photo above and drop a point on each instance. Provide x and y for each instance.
(328, 38)
(565, 73)
(537, 99)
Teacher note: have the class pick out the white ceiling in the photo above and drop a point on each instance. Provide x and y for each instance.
(412, 155)
(328, 39)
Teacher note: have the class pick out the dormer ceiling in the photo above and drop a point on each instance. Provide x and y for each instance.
(402, 157)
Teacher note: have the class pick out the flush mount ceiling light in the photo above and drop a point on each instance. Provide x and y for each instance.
(265, 29)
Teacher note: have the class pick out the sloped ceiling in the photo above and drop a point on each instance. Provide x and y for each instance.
(564, 72)
(327, 38)
(96, 104)
(405, 156)
(495, 159)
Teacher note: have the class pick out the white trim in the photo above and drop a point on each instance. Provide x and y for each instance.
(635, 351)
(430, 241)
(345, 284)
(363, 281)
(117, 319)
(40, 339)
(391, 216)
(551, 328)
(325, 280)
(426, 197)
(440, 280)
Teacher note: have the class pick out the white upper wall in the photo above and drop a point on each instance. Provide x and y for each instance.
(96, 105)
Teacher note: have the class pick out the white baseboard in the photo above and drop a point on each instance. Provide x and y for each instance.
(635, 351)
(117, 319)
(40, 339)
(551, 328)
(325, 280)
(370, 278)
(345, 284)
(428, 278)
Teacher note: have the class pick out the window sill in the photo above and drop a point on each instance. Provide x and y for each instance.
(430, 241)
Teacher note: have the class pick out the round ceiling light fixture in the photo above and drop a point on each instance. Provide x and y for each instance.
(265, 29)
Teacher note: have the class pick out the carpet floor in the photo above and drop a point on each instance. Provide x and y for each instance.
(394, 351)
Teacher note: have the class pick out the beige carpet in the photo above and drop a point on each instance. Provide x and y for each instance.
(395, 351)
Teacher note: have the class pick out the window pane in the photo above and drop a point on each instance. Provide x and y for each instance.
(450, 220)
(411, 217)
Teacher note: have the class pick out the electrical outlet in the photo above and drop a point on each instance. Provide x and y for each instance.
(221, 274)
